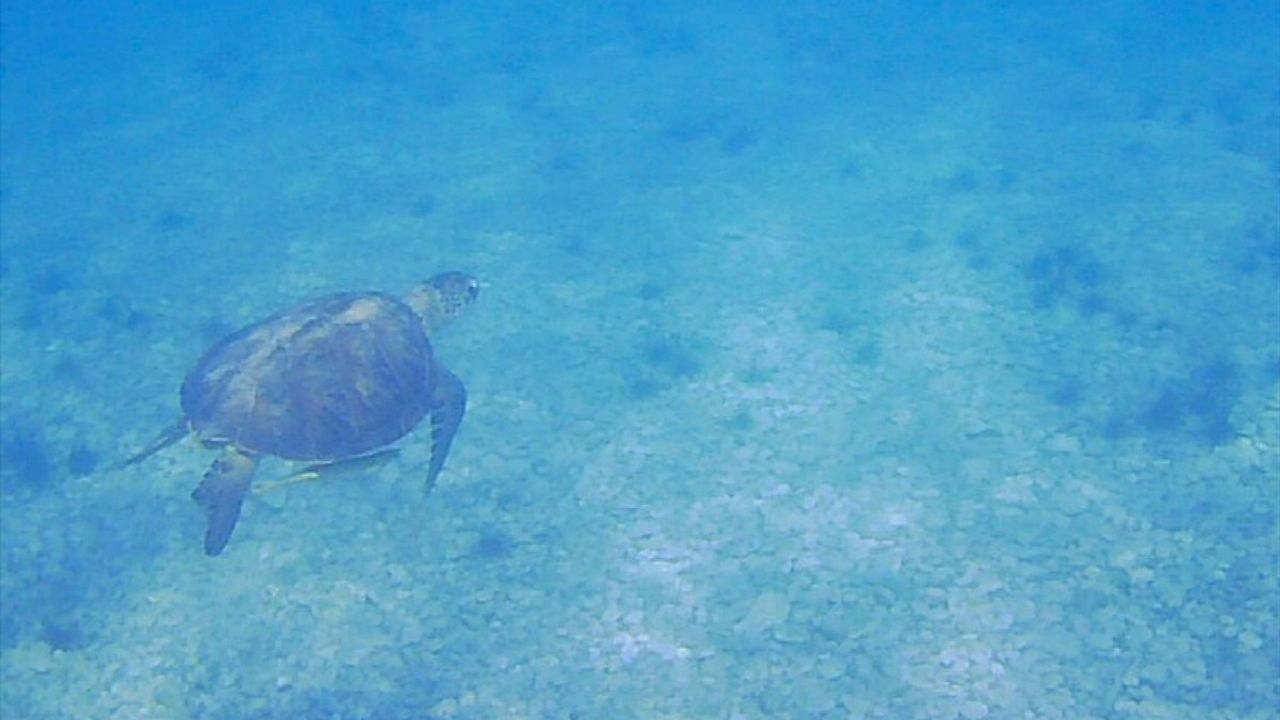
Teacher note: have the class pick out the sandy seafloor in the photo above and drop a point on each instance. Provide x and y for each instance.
(834, 361)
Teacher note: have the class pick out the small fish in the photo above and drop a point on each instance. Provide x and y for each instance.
(352, 467)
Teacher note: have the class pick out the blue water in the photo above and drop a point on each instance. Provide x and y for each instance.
(841, 360)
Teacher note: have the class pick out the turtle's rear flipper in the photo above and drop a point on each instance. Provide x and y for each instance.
(167, 437)
(448, 405)
(221, 493)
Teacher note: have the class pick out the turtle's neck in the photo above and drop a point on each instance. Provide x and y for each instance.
(425, 300)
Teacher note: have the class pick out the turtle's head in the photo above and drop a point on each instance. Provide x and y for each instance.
(442, 298)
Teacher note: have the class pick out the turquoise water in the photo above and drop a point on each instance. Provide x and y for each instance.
(834, 360)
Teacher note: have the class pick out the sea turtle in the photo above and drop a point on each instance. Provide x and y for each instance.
(333, 381)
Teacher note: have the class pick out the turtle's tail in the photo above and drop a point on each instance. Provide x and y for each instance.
(170, 435)
(221, 493)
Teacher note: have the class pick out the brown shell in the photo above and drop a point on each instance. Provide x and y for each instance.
(333, 378)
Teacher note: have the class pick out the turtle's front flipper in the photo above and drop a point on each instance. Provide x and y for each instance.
(167, 437)
(448, 405)
(221, 493)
